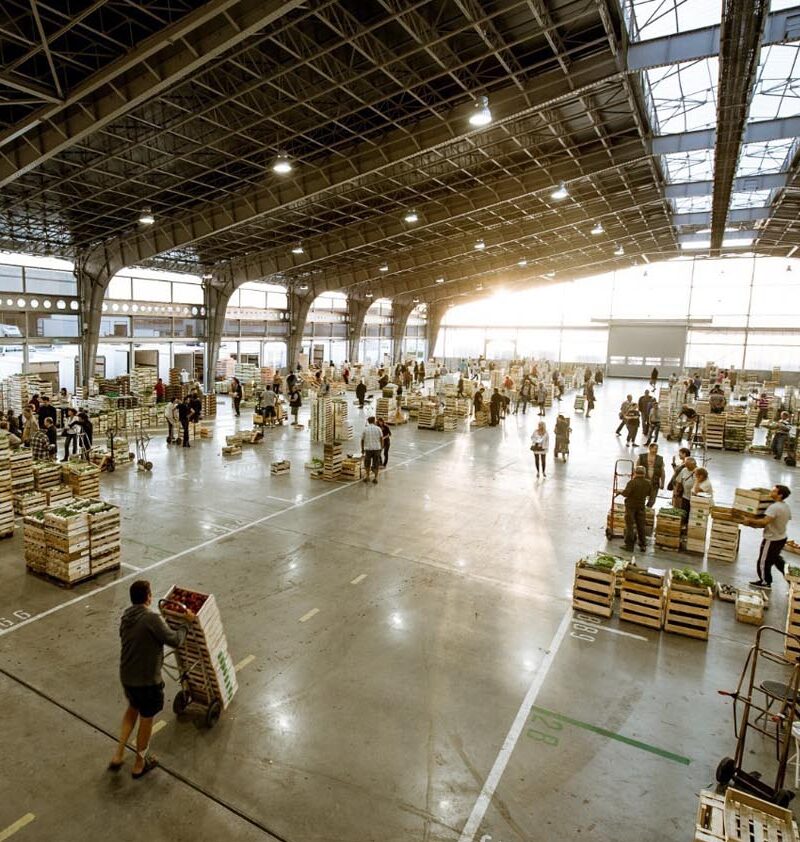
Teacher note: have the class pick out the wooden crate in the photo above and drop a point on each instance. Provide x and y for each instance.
(669, 527)
(792, 648)
(282, 467)
(710, 823)
(749, 607)
(593, 590)
(642, 599)
(723, 544)
(688, 610)
(751, 819)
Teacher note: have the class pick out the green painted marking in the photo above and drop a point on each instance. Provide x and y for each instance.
(603, 732)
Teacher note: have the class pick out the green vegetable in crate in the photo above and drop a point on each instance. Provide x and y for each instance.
(792, 570)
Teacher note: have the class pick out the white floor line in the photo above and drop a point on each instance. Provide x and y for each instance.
(496, 773)
(360, 578)
(624, 633)
(244, 662)
(308, 615)
(17, 826)
(189, 550)
(130, 566)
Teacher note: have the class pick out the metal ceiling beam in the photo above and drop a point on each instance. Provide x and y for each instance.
(743, 23)
(734, 216)
(745, 184)
(730, 237)
(758, 132)
(28, 86)
(152, 68)
(781, 27)
(430, 137)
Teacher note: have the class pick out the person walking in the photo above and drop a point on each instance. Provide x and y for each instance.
(589, 390)
(371, 446)
(161, 390)
(636, 492)
(774, 522)
(236, 391)
(63, 405)
(779, 435)
(495, 402)
(540, 442)
(686, 481)
(654, 377)
(623, 411)
(653, 465)
(674, 484)
(632, 424)
(184, 416)
(654, 425)
(143, 636)
(361, 393)
(523, 395)
(295, 402)
(172, 419)
(71, 429)
(763, 408)
(541, 396)
(477, 401)
(644, 412)
(386, 439)
(30, 424)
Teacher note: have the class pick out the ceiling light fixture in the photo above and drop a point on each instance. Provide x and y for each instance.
(298, 249)
(481, 115)
(207, 276)
(415, 300)
(560, 192)
(368, 295)
(522, 263)
(619, 251)
(549, 274)
(598, 229)
(411, 217)
(302, 288)
(479, 287)
(480, 245)
(146, 217)
(282, 164)
(384, 267)
(440, 280)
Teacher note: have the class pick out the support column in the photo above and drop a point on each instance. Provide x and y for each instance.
(356, 313)
(433, 322)
(216, 294)
(401, 310)
(299, 305)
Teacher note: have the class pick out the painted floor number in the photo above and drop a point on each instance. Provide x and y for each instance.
(16, 617)
(585, 627)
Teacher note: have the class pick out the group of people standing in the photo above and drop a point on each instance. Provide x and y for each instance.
(644, 412)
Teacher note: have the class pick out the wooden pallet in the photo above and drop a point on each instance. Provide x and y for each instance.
(593, 590)
(688, 610)
(69, 584)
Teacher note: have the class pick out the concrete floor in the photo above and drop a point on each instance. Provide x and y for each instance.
(443, 691)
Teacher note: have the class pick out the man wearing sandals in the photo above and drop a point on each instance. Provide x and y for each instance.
(143, 634)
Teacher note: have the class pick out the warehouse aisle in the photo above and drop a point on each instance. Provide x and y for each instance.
(408, 660)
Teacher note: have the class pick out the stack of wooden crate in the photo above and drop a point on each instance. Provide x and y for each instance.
(6, 494)
(84, 479)
(426, 419)
(482, 418)
(669, 525)
(384, 407)
(723, 544)
(279, 468)
(450, 423)
(792, 646)
(593, 587)
(749, 607)
(688, 609)
(46, 475)
(736, 431)
(752, 501)
(642, 597)
(29, 502)
(232, 450)
(58, 495)
(714, 430)
(615, 520)
(697, 525)
(35, 542)
(21, 471)
(104, 536)
(738, 816)
(351, 467)
(68, 550)
(332, 460)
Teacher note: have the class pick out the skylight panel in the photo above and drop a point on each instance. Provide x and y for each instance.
(683, 97)
(689, 166)
(654, 18)
(777, 89)
(692, 204)
(764, 157)
(750, 199)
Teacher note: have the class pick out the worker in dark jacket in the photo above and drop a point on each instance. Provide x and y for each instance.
(46, 411)
(495, 402)
(636, 493)
(143, 635)
(184, 416)
(653, 465)
(361, 393)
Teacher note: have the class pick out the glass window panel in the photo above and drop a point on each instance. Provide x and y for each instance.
(683, 97)
(277, 328)
(584, 346)
(154, 326)
(279, 301)
(146, 289)
(691, 204)
(189, 328)
(776, 93)
(697, 165)
(10, 278)
(12, 325)
(50, 282)
(187, 293)
(231, 327)
(750, 199)
(721, 288)
(120, 288)
(255, 298)
(115, 326)
(764, 157)
(53, 324)
(252, 327)
(654, 18)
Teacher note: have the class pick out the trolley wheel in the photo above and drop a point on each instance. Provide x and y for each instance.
(783, 797)
(725, 770)
(148, 466)
(111, 467)
(609, 535)
(131, 456)
(181, 702)
(213, 713)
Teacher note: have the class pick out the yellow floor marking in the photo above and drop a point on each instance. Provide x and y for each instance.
(309, 615)
(359, 579)
(244, 662)
(18, 825)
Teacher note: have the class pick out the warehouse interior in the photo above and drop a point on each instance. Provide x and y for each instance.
(250, 226)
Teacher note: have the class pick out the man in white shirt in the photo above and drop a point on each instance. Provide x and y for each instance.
(371, 447)
(686, 479)
(774, 522)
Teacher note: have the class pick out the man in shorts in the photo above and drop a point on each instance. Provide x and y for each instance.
(143, 634)
(268, 405)
(371, 447)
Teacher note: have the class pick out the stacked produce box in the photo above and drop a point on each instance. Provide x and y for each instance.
(426, 419)
(714, 430)
(383, 407)
(736, 432)
(209, 405)
(104, 536)
(793, 621)
(351, 467)
(723, 543)
(46, 475)
(642, 596)
(690, 596)
(669, 525)
(21, 471)
(279, 468)
(615, 520)
(593, 587)
(57, 495)
(6, 494)
(482, 418)
(29, 501)
(752, 501)
(204, 655)
(750, 607)
(68, 550)
(35, 542)
(697, 525)
(332, 461)
(83, 479)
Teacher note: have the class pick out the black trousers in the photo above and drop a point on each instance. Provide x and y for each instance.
(494, 416)
(769, 556)
(73, 440)
(633, 431)
(541, 461)
(655, 429)
(185, 425)
(236, 402)
(386, 446)
(635, 527)
(621, 426)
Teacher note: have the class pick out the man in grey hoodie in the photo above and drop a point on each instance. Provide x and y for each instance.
(143, 635)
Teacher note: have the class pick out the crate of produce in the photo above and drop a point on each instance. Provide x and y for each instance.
(84, 479)
(279, 468)
(46, 475)
(351, 467)
(689, 598)
(726, 593)
(426, 419)
(714, 430)
(35, 542)
(232, 450)
(29, 502)
(21, 464)
(58, 495)
(697, 524)
(594, 584)
(750, 607)
(669, 528)
(615, 521)
(752, 501)
(642, 596)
